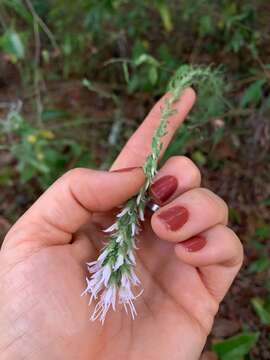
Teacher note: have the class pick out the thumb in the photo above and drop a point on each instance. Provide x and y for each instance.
(68, 203)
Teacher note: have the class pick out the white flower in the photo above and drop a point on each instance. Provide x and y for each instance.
(100, 276)
(119, 239)
(107, 300)
(94, 285)
(126, 296)
(103, 255)
(141, 214)
(123, 212)
(94, 267)
(131, 258)
(111, 228)
(87, 287)
(108, 293)
(134, 278)
(119, 262)
(139, 198)
(133, 229)
(106, 274)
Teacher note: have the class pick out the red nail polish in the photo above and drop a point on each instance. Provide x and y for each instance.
(126, 169)
(175, 217)
(194, 244)
(162, 189)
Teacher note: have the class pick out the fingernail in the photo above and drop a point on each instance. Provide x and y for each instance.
(126, 169)
(194, 244)
(162, 189)
(174, 218)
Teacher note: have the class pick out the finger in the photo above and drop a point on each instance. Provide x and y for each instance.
(68, 204)
(217, 253)
(138, 147)
(191, 213)
(178, 175)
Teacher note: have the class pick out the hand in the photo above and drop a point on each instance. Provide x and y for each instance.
(187, 260)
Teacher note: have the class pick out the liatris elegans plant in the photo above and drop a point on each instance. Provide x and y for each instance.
(113, 277)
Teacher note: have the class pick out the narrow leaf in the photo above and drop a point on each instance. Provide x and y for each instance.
(253, 94)
(262, 312)
(234, 348)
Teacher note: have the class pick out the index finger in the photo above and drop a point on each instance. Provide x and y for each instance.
(138, 146)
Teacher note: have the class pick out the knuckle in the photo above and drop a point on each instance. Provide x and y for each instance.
(193, 170)
(74, 173)
(78, 176)
(234, 244)
(215, 203)
(238, 249)
(209, 309)
(240, 257)
(189, 166)
(213, 307)
(79, 187)
(184, 161)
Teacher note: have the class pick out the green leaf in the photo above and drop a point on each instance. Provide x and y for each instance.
(153, 75)
(12, 44)
(126, 72)
(165, 15)
(263, 232)
(6, 175)
(206, 25)
(253, 94)
(235, 215)
(45, 56)
(146, 59)
(260, 265)
(50, 114)
(19, 7)
(26, 172)
(218, 135)
(178, 144)
(199, 157)
(266, 202)
(234, 348)
(262, 312)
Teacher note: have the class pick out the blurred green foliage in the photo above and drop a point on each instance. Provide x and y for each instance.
(262, 308)
(38, 154)
(134, 45)
(236, 347)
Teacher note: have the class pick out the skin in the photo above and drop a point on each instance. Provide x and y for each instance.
(42, 264)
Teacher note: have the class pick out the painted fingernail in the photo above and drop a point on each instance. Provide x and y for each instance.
(162, 189)
(174, 218)
(194, 244)
(126, 169)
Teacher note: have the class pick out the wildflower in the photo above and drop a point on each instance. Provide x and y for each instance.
(112, 275)
(111, 228)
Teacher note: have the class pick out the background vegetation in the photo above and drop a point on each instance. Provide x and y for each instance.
(76, 79)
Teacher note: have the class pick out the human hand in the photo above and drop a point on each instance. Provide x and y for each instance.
(187, 260)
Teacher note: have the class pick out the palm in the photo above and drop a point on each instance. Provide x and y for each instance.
(56, 277)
